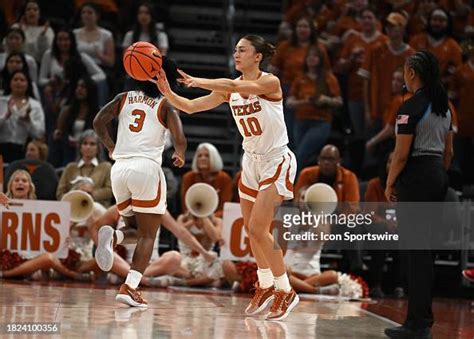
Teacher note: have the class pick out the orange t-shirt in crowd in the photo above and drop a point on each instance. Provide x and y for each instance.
(463, 85)
(374, 191)
(348, 24)
(222, 183)
(355, 84)
(304, 87)
(345, 185)
(379, 65)
(448, 52)
(290, 60)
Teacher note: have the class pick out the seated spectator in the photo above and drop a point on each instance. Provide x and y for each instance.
(314, 96)
(145, 29)
(329, 171)
(54, 60)
(207, 167)
(43, 174)
(88, 165)
(21, 117)
(16, 62)
(289, 59)
(93, 40)
(14, 43)
(438, 40)
(22, 264)
(73, 120)
(38, 34)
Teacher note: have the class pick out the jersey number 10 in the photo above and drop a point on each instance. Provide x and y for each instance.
(251, 126)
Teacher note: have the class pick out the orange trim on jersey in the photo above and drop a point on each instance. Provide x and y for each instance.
(123, 101)
(247, 190)
(148, 203)
(272, 179)
(264, 97)
(124, 204)
(158, 113)
(288, 183)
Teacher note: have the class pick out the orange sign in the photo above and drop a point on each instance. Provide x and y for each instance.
(32, 227)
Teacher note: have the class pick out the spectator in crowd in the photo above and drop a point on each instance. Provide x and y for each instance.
(145, 29)
(438, 40)
(22, 264)
(64, 49)
(93, 40)
(351, 59)
(313, 97)
(36, 150)
(462, 92)
(38, 34)
(16, 61)
(88, 165)
(21, 116)
(73, 120)
(376, 201)
(289, 59)
(419, 19)
(14, 43)
(350, 20)
(207, 167)
(378, 67)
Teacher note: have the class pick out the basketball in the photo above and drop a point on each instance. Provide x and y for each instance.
(142, 61)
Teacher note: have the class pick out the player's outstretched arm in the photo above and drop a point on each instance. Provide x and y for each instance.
(103, 119)
(204, 103)
(265, 85)
(171, 117)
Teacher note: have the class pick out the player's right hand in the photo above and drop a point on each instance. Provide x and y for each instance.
(162, 82)
(210, 256)
(178, 160)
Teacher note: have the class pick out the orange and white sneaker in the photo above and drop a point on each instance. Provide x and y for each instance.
(283, 304)
(131, 297)
(260, 300)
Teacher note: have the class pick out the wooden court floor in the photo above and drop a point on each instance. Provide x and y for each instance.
(90, 311)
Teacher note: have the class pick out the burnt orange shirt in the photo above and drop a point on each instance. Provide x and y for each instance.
(355, 84)
(346, 184)
(448, 52)
(374, 191)
(390, 115)
(222, 183)
(463, 85)
(379, 65)
(304, 87)
(290, 60)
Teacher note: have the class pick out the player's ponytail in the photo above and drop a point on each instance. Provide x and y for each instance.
(261, 46)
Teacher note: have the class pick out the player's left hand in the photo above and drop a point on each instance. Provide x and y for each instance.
(4, 200)
(178, 160)
(187, 80)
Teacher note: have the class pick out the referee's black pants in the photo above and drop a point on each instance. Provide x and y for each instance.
(424, 179)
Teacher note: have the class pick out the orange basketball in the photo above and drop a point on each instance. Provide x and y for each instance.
(142, 60)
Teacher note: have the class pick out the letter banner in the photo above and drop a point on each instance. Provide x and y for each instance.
(32, 227)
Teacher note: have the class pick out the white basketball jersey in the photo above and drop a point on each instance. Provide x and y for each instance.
(260, 121)
(141, 129)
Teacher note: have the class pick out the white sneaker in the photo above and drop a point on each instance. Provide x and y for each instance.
(104, 255)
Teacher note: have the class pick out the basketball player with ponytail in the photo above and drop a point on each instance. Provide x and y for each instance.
(268, 166)
(422, 155)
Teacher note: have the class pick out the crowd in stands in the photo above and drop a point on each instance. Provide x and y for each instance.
(340, 63)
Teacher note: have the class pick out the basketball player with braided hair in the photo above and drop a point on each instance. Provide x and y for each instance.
(138, 182)
(268, 166)
(422, 155)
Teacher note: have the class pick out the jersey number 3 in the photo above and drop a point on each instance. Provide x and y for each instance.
(251, 126)
(139, 120)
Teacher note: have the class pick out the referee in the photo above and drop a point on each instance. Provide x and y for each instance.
(422, 154)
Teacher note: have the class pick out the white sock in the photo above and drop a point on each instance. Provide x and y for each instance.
(283, 283)
(133, 279)
(265, 277)
(120, 236)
